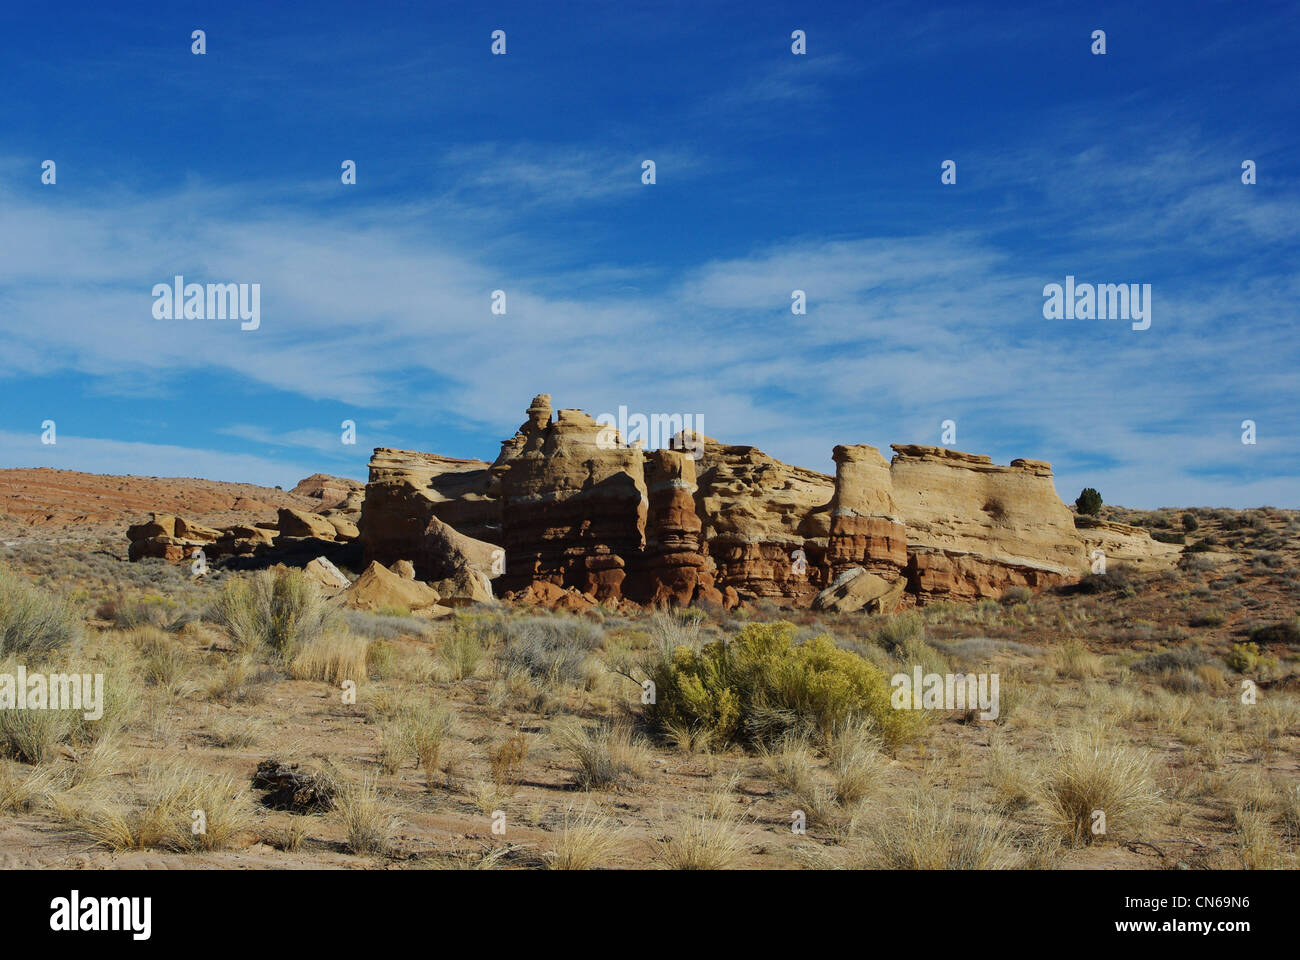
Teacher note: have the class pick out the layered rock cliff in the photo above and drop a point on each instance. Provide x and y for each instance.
(408, 489)
(573, 503)
(766, 523)
(975, 528)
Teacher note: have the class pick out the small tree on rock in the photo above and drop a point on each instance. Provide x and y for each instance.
(1089, 502)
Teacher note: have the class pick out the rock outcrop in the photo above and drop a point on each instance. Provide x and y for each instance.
(766, 523)
(975, 528)
(330, 491)
(676, 571)
(573, 503)
(854, 590)
(408, 489)
(378, 589)
(1122, 543)
(866, 529)
(160, 537)
(300, 524)
(569, 516)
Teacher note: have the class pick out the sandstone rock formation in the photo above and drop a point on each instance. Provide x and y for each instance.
(975, 528)
(766, 523)
(677, 571)
(330, 491)
(408, 489)
(854, 590)
(1122, 543)
(573, 503)
(866, 530)
(379, 589)
(465, 588)
(300, 523)
(445, 552)
(242, 539)
(328, 577)
(159, 537)
(569, 516)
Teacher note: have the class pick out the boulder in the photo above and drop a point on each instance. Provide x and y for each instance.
(344, 529)
(444, 552)
(158, 525)
(465, 588)
(378, 588)
(300, 523)
(189, 530)
(403, 568)
(542, 593)
(855, 590)
(330, 578)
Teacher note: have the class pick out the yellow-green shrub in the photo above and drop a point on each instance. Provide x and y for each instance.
(762, 684)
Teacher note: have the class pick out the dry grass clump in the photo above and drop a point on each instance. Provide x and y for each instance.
(33, 736)
(702, 842)
(276, 611)
(21, 794)
(1086, 775)
(1074, 661)
(927, 832)
(184, 811)
(332, 658)
(33, 622)
(368, 825)
(607, 755)
(1008, 775)
(235, 733)
(585, 841)
(463, 650)
(163, 661)
(855, 769)
(1257, 847)
(506, 760)
(416, 731)
(555, 650)
(856, 763)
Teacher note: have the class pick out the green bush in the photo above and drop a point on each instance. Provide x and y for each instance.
(277, 610)
(1244, 657)
(1088, 502)
(1288, 633)
(33, 621)
(760, 686)
(1190, 522)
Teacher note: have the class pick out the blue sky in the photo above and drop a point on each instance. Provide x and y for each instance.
(774, 172)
